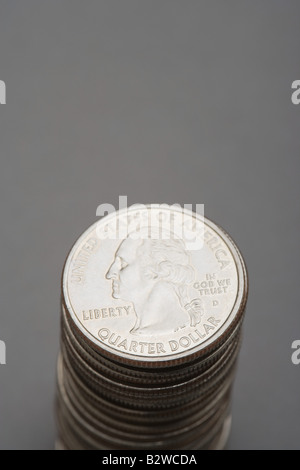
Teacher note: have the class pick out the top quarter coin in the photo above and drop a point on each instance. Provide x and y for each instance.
(154, 298)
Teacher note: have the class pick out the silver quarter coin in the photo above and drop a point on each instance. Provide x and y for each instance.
(152, 301)
(151, 323)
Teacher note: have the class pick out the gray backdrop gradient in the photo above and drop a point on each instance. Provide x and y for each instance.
(163, 101)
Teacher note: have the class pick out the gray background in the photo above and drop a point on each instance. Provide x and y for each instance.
(164, 101)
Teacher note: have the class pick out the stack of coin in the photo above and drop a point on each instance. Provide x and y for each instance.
(153, 300)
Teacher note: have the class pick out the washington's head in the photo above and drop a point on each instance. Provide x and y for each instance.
(155, 274)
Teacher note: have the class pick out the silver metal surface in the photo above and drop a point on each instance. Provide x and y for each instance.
(150, 304)
(150, 338)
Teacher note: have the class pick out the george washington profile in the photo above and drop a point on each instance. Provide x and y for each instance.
(155, 275)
